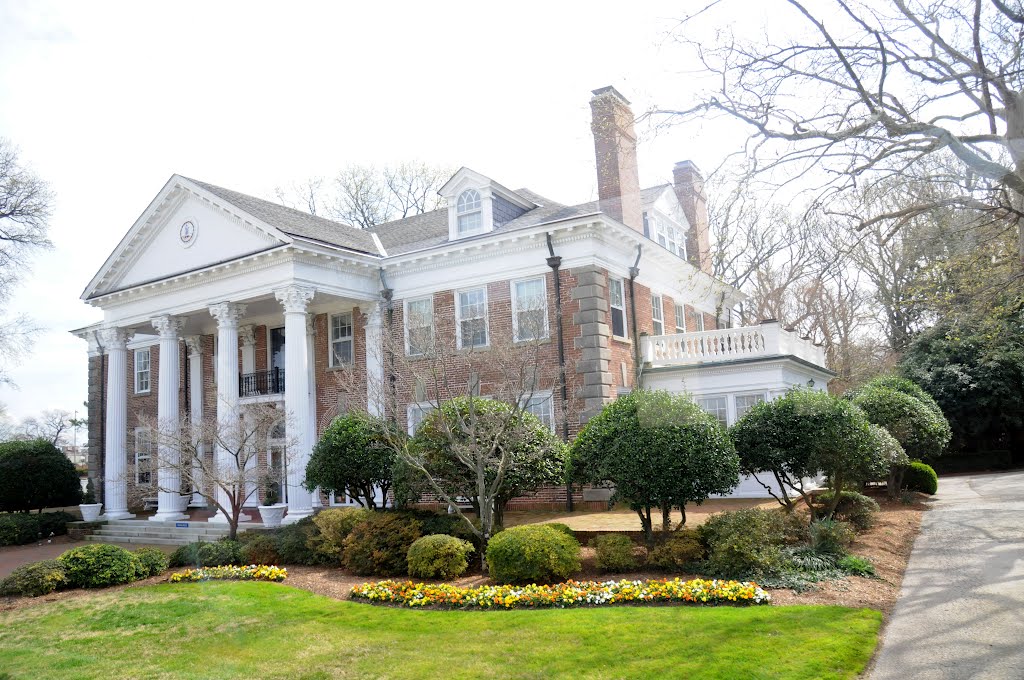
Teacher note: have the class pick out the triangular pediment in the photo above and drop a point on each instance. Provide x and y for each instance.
(184, 229)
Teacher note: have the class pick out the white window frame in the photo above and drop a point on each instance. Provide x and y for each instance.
(539, 398)
(458, 318)
(143, 351)
(736, 415)
(424, 408)
(142, 434)
(622, 308)
(657, 305)
(707, 397)
(429, 299)
(464, 211)
(515, 307)
(680, 311)
(331, 340)
(698, 318)
(667, 235)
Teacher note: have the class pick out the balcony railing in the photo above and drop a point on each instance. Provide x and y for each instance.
(261, 383)
(766, 340)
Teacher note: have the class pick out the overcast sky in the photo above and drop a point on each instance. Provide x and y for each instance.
(107, 100)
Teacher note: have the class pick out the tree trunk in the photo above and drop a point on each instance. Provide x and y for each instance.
(666, 517)
(645, 522)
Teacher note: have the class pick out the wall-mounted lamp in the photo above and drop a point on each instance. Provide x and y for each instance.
(810, 383)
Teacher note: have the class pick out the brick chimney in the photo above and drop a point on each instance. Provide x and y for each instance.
(689, 186)
(618, 179)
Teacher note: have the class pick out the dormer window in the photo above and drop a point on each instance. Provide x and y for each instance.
(468, 212)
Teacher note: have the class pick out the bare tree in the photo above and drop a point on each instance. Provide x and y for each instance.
(52, 425)
(306, 195)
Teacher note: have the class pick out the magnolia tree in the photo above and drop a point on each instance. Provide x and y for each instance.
(353, 457)
(218, 457)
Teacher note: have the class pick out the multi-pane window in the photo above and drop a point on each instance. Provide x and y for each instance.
(468, 214)
(617, 303)
(341, 339)
(657, 316)
(144, 450)
(698, 320)
(542, 406)
(667, 236)
(530, 309)
(472, 314)
(680, 319)
(416, 414)
(745, 402)
(419, 325)
(142, 372)
(716, 406)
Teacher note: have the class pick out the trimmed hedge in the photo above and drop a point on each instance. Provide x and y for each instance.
(534, 553)
(681, 552)
(439, 556)
(35, 579)
(18, 528)
(260, 548)
(101, 565)
(154, 561)
(614, 553)
(379, 545)
(921, 477)
(207, 554)
(335, 524)
(744, 542)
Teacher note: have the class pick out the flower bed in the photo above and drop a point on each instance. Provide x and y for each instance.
(568, 594)
(251, 572)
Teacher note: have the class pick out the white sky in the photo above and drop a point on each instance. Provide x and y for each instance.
(107, 100)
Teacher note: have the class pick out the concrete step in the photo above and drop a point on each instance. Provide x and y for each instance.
(198, 531)
(94, 538)
(145, 536)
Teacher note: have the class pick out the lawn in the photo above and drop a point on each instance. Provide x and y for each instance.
(228, 630)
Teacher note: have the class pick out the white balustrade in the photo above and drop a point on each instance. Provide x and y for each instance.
(729, 344)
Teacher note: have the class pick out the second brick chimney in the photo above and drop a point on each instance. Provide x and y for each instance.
(618, 177)
(689, 186)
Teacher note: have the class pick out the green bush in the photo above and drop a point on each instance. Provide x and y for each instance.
(743, 543)
(915, 421)
(831, 537)
(100, 565)
(534, 553)
(35, 475)
(302, 543)
(353, 456)
(795, 529)
(35, 579)
(207, 554)
(260, 548)
(379, 545)
(921, 477)
(18, 528)
(564, 528)
(442, 523)
(679, 553)
(614, 553)
(853, 507)
(335, 524)
(154, 561)
(858, 566)
(439, 556)
(55, 523)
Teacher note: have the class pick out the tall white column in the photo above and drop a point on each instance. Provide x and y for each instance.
(168, 420)
(375, 386)
(194, 344)
(227, 315)
(300, 427)
(247, 334)
(115, 474)
(311, 353)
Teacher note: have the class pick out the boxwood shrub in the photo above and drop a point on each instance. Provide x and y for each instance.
(335, 524)
(744, 543)
(302, 543)
(18, 528)
(681, 552)
(55, 523)
(100, 565)
(439, 556)
(379, 545)
(35, 579)
(207, 554)
(260, 548)
(921, 477)
(533, 553)
(614, 553)
(154, 561)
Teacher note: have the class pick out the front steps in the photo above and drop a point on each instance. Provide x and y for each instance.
(141, 531)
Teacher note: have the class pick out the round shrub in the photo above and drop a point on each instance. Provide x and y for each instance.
(680, 552)
(302, 543)
(154, 561)
(33, 580)
(379, 545)
(100, 565)
(36, 474)
(335, 525)
(744, 542)
(18, 528)
(54, 523)
(439, 556)
(207, 554)
(831, 537)
(534, 553)
(564, 528)
(921, 477)
(260, 548)
(353, 456)
(614, 553)
(853, 507)
(919, 427)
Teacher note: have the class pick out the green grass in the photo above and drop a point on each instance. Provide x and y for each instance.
(245, 630)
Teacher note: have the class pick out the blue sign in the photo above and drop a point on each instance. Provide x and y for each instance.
(181, 525)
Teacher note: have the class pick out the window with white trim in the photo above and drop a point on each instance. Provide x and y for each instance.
(716, 406)
(542, 406)
(698, 320)
(144, 450)
(745, 402)
(680, 319)
(419, 325)
(471, 310)
(341, 339)
(657, 316)
(416, 414)
(529, 309)
(667, 236)
(617, 303)
(142, 372)
(468, 213)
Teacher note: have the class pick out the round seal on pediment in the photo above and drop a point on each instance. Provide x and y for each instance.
(187, 233)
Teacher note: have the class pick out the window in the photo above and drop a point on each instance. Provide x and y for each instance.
(144, 450)
(668, 237)
(142, 370)
(419, 325)
(680, 319)
(529, 309)
(698, 320)
(341, 339)
(468, 215)
(472, 314)
(416, 414)
(657, 316)
(542, 406)
(617, 302)
(745, 402)
(716, 406)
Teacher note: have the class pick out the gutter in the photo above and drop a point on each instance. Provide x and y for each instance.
(555, 262)
(634, 272)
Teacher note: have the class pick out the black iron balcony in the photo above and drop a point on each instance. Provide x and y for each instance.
(261, 383)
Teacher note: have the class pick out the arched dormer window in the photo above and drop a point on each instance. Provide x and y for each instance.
(468, 213)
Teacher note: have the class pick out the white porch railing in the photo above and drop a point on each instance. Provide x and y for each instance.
(764, 340)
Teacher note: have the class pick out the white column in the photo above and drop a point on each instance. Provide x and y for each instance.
(300, 428)
(194, 343)
(227, 315)
(375, 387)
(247, 334)
(115, 475)
(311, 353)
(168, 421)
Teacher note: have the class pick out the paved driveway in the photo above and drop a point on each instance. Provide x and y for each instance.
(961, 610)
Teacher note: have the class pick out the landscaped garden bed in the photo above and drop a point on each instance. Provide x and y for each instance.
(251, 572)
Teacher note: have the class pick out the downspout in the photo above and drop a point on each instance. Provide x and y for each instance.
(638, 366)
(555, 262)
(387, 294)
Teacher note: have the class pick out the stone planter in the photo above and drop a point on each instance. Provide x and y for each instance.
(272, 514)
(90, 511)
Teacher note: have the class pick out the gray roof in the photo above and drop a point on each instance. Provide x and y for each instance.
(296, 222)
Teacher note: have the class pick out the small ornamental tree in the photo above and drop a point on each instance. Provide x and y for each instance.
(659, 450)
(891, 458)
(353, 457)
(36, 474)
